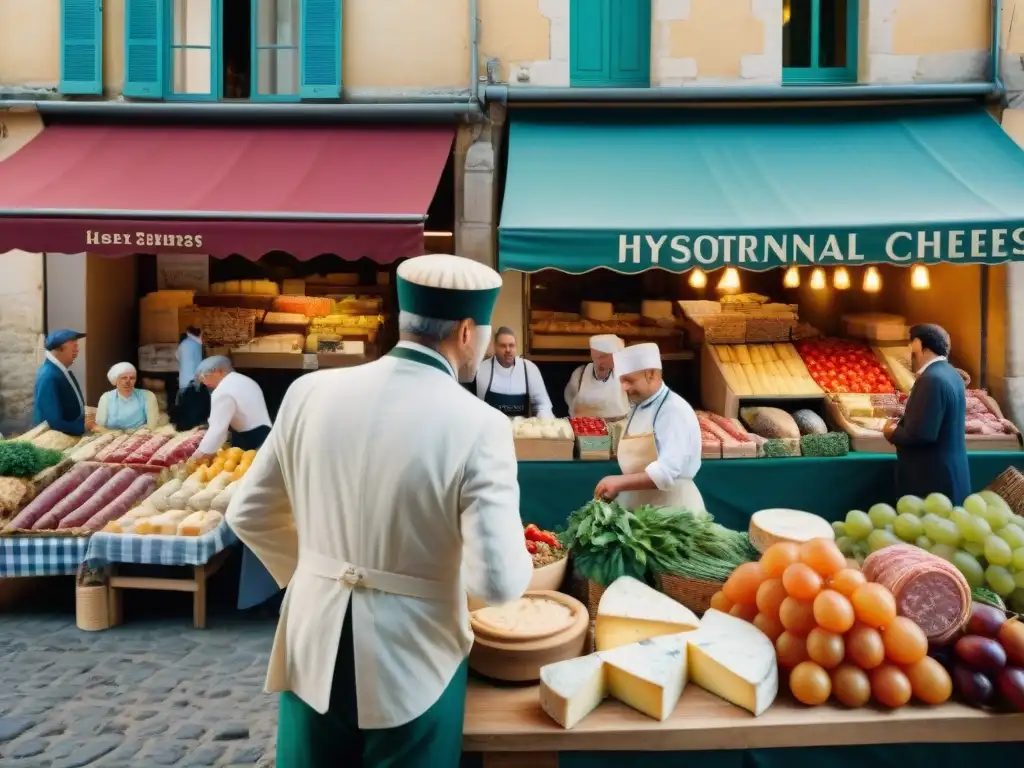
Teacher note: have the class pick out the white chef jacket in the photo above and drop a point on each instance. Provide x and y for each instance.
(237, 403)
(676, 433)
(512, 381)
(607, 392)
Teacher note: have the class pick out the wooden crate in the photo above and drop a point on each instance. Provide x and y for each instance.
(718, 398)
(544, 449)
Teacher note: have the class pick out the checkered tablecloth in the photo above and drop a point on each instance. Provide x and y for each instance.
(41, 555)
(105, 548)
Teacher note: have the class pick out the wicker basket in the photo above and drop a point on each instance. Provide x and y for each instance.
(1010, 487)
(692, 593)
(589, 593)
(91, 606)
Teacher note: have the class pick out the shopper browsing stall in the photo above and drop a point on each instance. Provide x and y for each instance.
(192, 401)
(58, 397)
(659, 453)
(371, 654)
(510, 383)
(126, 406)
(594, 389)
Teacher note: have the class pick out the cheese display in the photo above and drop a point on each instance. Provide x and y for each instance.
(245, 288)
(656, 310)
(536, 427)
(570, 690)
(649, 676)
(630, 611)
(599, 311)
(764, 370)
(276, 342)
(770, 526)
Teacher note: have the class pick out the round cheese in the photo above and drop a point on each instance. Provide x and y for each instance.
(598, 311)
(770, 526)
(527, 617)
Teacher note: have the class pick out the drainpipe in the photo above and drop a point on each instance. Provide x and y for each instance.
(474, 51)
(997, 34)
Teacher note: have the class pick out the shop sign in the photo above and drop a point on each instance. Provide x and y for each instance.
(762, 251)
(143, 239)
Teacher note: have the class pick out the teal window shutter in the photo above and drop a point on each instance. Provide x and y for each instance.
(630, 32)
(820, 42)
(610, 43)
(81, 47)
(144, 49)
(320, 73)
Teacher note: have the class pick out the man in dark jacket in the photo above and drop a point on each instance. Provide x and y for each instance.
(931, 447)
(58, 397)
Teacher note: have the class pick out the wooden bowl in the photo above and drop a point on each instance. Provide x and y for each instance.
(520, 661)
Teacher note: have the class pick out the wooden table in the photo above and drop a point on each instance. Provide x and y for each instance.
(507, 725)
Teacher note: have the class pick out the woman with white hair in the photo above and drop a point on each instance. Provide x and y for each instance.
(125, 406)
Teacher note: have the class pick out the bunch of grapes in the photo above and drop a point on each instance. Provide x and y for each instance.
(837, 634)
(983, 538)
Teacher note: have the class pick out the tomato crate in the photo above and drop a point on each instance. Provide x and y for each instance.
(592, 436)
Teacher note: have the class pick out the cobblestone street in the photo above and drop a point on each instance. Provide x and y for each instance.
(154, 692)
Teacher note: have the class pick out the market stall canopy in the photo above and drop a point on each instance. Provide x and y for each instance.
(358, 192)
(759, 188)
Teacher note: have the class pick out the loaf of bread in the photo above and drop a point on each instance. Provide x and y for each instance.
(199, 523)
(164, 524)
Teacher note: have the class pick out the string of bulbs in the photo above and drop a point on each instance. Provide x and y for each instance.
(730, 281)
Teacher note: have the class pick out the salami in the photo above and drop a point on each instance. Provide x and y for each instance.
(145, 452)
(141, 487)
(181, 452)
(730, 427)
(127, 448)
(75, 499)
(49, 498)
(162, 456)
(111, 447)
(110, 491)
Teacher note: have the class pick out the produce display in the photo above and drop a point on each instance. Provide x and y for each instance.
(898, 360)
(837, 633)
(983, 539)
(844, 365)
(588, 426)
(764, 370)
(722, 654)
(19, 458)
(538, 428)
(143, 447)
(543, 546)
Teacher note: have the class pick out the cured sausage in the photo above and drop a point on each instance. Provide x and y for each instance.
(178, 453)
(49, 498)
(140, 488)
(127, 448)
(110, 491)
(111, 447)
(162, 456)
(75, 499)
(144, 453)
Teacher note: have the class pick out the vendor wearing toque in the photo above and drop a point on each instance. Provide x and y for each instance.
(58, 397)
(594, 389)
(510, 383)
(659, 453)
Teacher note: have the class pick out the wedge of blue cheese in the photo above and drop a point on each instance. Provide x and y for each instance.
(630, 611)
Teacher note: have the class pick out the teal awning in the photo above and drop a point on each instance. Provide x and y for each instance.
(758, 188)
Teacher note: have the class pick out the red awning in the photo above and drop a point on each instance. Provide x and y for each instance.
(352, 191)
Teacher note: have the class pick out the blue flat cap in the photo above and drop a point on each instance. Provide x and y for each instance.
(57, 339)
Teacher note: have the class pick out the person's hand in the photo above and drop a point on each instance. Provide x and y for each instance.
(90, 423)
(608, 488)
(889, 428)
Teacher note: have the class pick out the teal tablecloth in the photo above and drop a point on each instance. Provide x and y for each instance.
(734, 489)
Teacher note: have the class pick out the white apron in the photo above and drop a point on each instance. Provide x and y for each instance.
(637, 449)
(598, 399)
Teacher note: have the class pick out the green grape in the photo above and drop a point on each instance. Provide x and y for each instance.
(860, 550)
(881, 515)
(910, 505)
(944, 551)
(997, 516)
(938, 504)
(969, 567)
(940, 530)
(846, 545)
(924, 543)
(997, 551)
(1012, 535)
(960, 517)
(974, 548)
(977, 531)
(839, 528)
(1018, 559)
(999, 580)
(907, 527)
(994, 499)
(858, 524)
(976, 505)
(1018, 579)
(880, 539)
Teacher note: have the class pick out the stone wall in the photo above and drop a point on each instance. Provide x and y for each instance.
(21, 327)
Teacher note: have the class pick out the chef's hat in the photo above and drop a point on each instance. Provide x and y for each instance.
(119, 370)
(639, 357)
(607, 343)
(445, 287)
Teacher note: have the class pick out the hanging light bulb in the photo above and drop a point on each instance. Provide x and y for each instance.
(872, 280)
(698, 278)
(919, 279)
(841, 279)
(792, 278)
(730, 280)
(818, 279)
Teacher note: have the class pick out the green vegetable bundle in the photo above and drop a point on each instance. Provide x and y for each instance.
(829, 444)
(22, 459)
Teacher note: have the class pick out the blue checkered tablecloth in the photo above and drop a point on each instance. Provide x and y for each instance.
(105, 548)
(41, 555)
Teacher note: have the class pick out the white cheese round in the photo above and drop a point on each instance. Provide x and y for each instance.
(770, 526)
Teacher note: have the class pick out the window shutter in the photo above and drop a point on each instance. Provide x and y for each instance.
(144, 49)
(81, 47)
(630, 43)
(589, 31)
(320, 75)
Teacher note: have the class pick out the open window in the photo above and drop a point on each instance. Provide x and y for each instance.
(819, 41)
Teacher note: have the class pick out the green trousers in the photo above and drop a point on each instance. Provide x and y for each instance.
(307, 739)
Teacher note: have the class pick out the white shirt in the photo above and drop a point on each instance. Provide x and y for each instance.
(512, 381)
(67, 375)
(606, 396)
(237, 403)
(676, 434)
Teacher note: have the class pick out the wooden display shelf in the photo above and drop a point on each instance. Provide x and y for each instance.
(298, 361)
(507, 724)
(568, 357)
(718, 397)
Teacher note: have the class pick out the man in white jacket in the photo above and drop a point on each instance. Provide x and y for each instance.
(383, 495)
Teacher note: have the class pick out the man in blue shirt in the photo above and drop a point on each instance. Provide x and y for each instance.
(58, 397)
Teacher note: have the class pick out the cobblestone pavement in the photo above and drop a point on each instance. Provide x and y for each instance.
(154, 692)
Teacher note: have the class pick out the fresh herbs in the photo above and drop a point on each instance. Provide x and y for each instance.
(608, 541)
(22, 459)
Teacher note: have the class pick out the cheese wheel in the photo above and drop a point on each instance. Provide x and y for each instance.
(598, 311)
(770, 526)
(656, 310)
